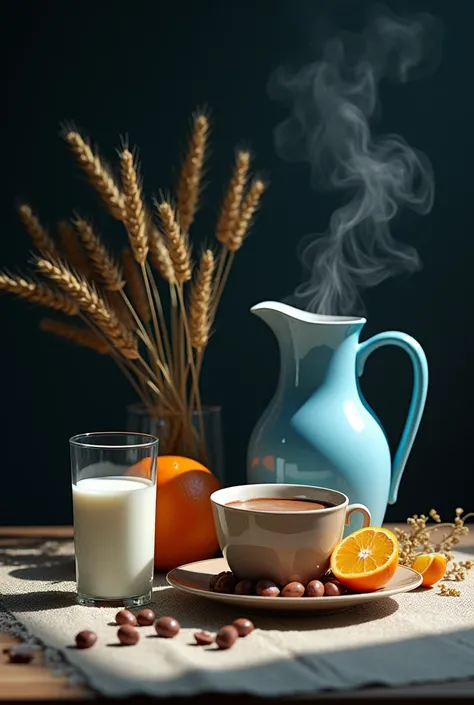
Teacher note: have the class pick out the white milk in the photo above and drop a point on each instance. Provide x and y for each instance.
(114, 533)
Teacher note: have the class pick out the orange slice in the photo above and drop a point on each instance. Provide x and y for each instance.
(432, 567)
(366, 560)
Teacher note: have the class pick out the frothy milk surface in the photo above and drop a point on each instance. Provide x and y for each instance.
(114, 532)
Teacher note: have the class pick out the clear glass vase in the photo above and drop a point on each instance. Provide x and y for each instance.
(174, 440)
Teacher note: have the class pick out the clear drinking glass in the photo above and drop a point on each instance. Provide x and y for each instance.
(114, 503)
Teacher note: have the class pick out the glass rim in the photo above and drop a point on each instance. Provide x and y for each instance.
(79, 440)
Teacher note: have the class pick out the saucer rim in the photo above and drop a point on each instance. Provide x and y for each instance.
(340, 600)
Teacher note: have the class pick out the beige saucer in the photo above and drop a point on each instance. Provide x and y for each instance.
(194, 578)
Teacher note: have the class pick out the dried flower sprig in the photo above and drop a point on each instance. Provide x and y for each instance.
(419, 539)
(446, 591)
(122, 308)
(457, 571)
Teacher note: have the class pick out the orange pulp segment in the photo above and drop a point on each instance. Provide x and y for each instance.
(366, 560)
(432, 567)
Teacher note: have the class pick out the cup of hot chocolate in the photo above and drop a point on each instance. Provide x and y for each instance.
(281, 532)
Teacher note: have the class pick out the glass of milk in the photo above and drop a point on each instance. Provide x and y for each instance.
(114, 502)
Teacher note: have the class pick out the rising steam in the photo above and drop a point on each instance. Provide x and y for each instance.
(333, 101)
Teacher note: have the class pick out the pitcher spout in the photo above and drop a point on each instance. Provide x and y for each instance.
(312, 346)
(270, 310)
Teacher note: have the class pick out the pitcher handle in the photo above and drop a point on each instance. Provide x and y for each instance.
(418, 398)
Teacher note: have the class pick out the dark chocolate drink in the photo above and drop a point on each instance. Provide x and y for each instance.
(278, 504)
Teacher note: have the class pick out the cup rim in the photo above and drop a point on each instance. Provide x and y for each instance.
(81, 440)
(283, 485)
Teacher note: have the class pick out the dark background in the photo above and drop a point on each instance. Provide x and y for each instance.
(141, 71)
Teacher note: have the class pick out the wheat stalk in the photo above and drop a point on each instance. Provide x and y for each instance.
(98, 174)
(76, 334)
(249, 206)
(92, 303)
(135, 215)
(235, 239)
(105, 266)
(38, 293)
(230, 209)
(178, 245)
(160, 256)
(135, 286)
(191, 173)
(72, 249)
(120, 308)
(161, 317)
(38, 234)
(200, 301)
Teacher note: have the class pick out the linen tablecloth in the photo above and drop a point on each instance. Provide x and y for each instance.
(412, 638)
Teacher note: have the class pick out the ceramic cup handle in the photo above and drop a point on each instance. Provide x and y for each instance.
(358, 508)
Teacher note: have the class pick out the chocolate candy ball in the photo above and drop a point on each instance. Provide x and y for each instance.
(329, 576)
(125, 617)
(333, 589)
(267, 588)
(243, 625)
(244, 587)
(19, 655)
(167, 627)
(225, 583)
(128, 635)
(215, 578)
(314, 588)
(146, 617)
(293, 589)
(85, 639)
(203, 638)
(226, 637)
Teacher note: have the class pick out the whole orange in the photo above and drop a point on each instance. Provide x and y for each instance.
(185, 529)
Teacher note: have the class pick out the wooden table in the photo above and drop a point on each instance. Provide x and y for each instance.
(33, 681)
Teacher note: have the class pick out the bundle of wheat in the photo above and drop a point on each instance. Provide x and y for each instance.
(156, 328)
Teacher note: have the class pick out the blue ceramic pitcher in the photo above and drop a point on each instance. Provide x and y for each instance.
(318, 428)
